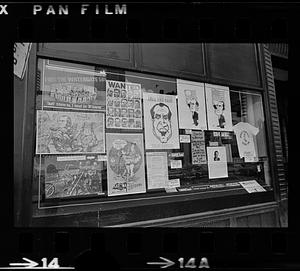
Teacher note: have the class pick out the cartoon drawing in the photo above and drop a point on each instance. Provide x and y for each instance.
(192, 103)
(69, 132)
(161, 122)
(125, 169)
(72, 178)
(219, 107)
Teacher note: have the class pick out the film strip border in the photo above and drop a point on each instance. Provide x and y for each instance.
(165, 22)
(139, 249)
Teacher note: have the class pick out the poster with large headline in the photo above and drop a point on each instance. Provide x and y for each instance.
(123, 105)
(191, 104)
(61, 132)
(71, 176)
(218, 108)
(72, 88)
(161, 123)
(125, 164)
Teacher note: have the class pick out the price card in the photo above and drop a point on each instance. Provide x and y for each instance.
(252, 186)
(184, 138)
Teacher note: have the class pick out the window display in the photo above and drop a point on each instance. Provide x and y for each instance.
(161, 135)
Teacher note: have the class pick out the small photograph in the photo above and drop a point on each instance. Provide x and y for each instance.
(116, 93)
(117, 122)
(138, 124)
(123, 93)
(124, 122)
(110, 112)
(123, 103)
(137, 103)
(131, 113)
(138, 113)
(110, 102)
(110, 92)
(130, 123)
(124, 113)
(117, 103)
(110, 122)
(130, 103)
(137, 93)
(117, 112)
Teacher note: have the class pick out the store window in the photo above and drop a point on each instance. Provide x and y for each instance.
(104, 133)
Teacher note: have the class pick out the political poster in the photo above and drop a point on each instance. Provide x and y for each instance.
(72, 88)
(60, 132)
(125, 164)
(191, 101)
(218, 108)
(161, 123)
(217, 163)
(71, 176)
(123, 105)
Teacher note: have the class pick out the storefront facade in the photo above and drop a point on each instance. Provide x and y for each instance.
(141, 134)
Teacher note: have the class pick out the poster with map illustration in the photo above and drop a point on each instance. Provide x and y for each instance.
(191, 104)
(72, 87)
(125, 164)
(161, 123)
(60, 132)
(71, 176)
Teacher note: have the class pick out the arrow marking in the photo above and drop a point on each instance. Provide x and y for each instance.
(29, 264)
(165, 264)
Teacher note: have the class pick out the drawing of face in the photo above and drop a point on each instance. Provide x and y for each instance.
(64, 121)
(116, 93)
(219, 107)
(193, 105)
(161, 122)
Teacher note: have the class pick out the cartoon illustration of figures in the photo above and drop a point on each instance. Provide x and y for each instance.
(62, 134)
(86, 138)
(218, 103)
(192, 103)
(161, 122)
(219, 107)
(131, 158)
(44, 132)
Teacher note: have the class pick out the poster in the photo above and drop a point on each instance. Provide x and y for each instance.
(157, 169)
(161, 124)
(123, 105)
(198, 148)
(244, 135)
(191, 101)
(252, 186)
(21, 54)
(60, 132)
(218, 108)
(217, 163)
(125, 167)
(72, 88)
(69, 176)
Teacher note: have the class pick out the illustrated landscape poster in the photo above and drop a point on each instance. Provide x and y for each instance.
(218, 108)
(157, 169)
(60, 132)
(69, 176)
(72, 88)
(161, 123)
(191, 104)
(217, 162)
(125, 164)
(123, 105)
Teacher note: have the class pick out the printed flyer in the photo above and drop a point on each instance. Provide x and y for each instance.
(72, 88)
(218, 108)
(161, 124)
(60, 132)
(217, 163)
(123, 105)
(191, 101)
(125, 167)
(198, 148)
(67, 176)
(157, 169)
